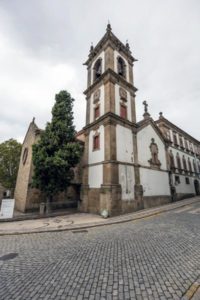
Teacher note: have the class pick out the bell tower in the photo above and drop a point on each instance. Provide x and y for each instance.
(110, 169)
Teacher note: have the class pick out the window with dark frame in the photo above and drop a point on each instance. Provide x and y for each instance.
(123, 111)
(171, 159)
(97, 69)
(184, 163)
(177, 180)
(181, 141)
(175, 138)
(96, 112)
(194, 166)
(187, 180)
(178, 161)
(121, 67)
(190, 165)
(96, 142)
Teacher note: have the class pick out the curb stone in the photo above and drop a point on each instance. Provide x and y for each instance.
(193, 293)
(115, 220)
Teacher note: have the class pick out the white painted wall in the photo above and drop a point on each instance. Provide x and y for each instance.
(97, 155)
(101, 102)
(116, 54)
(95, 176)
(154, 182)
(144, 137)
(127, 181)
(117, 103)
(124, 144)
(102, 56)
(184, 188)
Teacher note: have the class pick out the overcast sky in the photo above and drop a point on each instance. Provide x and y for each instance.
(44, 43)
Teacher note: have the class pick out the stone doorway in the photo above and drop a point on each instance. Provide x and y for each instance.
(196, 187)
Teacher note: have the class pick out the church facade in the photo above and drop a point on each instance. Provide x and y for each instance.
(126, 165)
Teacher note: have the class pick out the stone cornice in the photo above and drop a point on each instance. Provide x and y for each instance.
(176, 128)
(110, 75)
(110, 118)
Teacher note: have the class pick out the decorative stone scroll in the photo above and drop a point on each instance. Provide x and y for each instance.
(154, 161)
(123, 94)
(96, 96)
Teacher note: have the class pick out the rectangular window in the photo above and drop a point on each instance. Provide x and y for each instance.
(123, 111)
(96, 112)
(181, 141)
(177, 180)
(175, 138)
(186, 144)
(187, 180)
(96, 142)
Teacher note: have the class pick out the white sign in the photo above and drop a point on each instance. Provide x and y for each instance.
(7, 208)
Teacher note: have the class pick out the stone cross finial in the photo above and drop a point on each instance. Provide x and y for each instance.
(127, 45)
(161, 114)
(146, 115)
(91, 47)
(33, 121)
(145, 106)
(109, 28)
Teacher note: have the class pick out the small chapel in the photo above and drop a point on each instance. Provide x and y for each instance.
(126, 165)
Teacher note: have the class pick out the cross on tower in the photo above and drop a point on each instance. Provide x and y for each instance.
(145, 106)
(146, 114)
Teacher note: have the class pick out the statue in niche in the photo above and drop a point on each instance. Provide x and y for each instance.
(154, 161)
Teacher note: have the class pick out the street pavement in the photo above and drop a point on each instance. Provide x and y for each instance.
(153, 258)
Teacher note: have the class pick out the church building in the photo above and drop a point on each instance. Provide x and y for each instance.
(126, 165)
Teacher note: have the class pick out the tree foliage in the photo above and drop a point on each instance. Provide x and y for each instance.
(9, 163)
(57, 152)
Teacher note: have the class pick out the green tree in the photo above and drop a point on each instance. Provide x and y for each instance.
(58, 151)
(9, 163)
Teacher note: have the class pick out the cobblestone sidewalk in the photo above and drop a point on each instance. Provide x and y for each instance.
(83, 220)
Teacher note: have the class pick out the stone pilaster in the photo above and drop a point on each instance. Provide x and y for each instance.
(133, 113)
(110, 193)
(84, 195)
(109, 93)
(138, 187)
(130, 66)
(89, 76)
(88, 110)
(109, 58)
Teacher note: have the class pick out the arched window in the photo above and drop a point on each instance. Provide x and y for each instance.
(178, 161)
(171, 160)
(97, 69)
(184, 163)
(121, 67)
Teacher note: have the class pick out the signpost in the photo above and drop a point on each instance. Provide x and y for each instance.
(7, 208)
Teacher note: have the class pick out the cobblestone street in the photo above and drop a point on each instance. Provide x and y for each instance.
(153, 258)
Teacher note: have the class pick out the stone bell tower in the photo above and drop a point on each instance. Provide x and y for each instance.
(110, 168)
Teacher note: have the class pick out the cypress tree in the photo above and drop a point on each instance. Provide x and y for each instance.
(57, 151)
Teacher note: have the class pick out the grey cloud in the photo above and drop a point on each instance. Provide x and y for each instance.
(45, 37)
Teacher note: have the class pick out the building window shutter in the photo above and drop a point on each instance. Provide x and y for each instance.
(123, 111)
(96, 142)
(96, 112)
